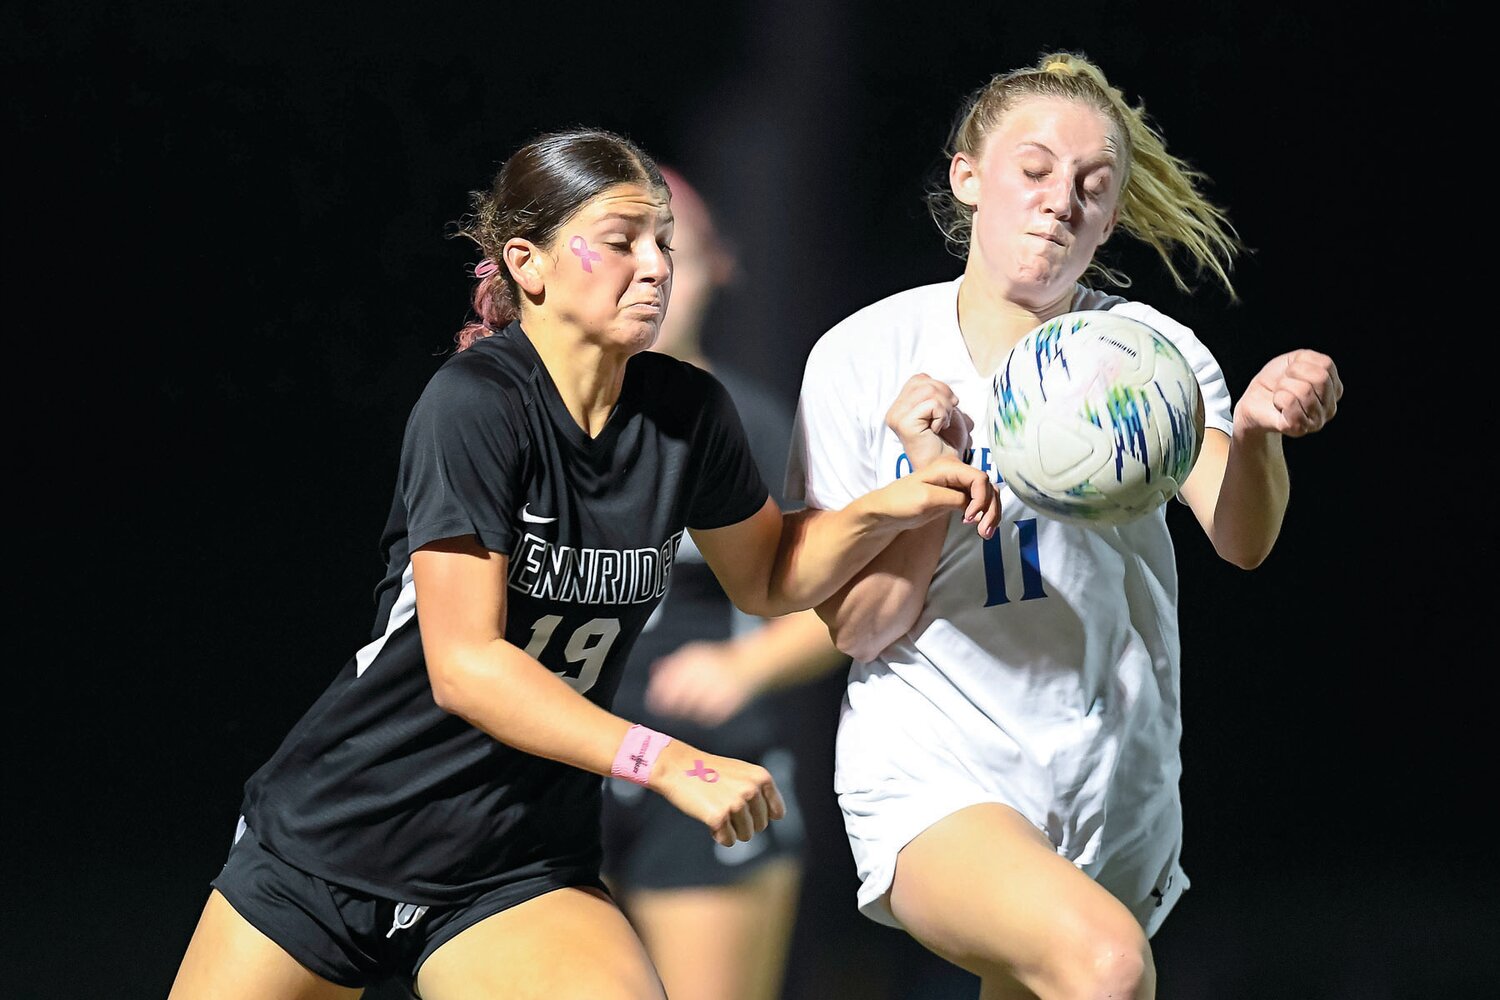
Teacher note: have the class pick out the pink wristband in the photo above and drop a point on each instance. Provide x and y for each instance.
(638, 752)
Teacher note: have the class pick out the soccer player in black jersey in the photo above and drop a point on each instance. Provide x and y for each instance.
(717, 921)
(434, 816)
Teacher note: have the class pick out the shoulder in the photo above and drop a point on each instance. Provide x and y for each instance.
(678, 398)
(886, 325)
(748, 391)
(505, 360)
(1172, 329)
(1205, 366)
(490, 377)
(672, 380)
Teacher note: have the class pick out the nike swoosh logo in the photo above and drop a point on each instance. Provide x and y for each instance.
(527, 515)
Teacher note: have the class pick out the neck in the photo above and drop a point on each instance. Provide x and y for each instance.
(992, 322)
(588, 376)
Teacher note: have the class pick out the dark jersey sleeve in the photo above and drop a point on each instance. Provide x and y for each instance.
(462, 460)
(729, 487)
(767, 420)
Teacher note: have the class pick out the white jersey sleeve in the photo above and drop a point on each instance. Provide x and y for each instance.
(1218, 412)
(832, 456)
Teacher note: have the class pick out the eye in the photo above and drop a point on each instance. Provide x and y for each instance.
(665, 245)
(1035, 175)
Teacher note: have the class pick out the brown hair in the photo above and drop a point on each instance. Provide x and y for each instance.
(537, 190)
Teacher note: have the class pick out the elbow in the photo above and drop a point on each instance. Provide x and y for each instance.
(860, 648)
(864, 644)
(762, 606)
(448, 690)
(1243, 557)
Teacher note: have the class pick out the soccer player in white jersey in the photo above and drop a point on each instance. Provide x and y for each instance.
(1007, 758)
(434, 816)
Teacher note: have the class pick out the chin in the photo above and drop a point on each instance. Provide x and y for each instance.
(640, 337)
(1034, 290)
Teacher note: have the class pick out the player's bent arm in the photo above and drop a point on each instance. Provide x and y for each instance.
(784, 652)
(495, 686)
(1242, 495)
(884, 599)
(709, 681)
(771, 565)
(490, 683)
(1238, 491)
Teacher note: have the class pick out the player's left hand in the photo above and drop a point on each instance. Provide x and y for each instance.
(1296, 393)
(698, 681)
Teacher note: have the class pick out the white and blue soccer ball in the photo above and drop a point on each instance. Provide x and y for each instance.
(1096, 418)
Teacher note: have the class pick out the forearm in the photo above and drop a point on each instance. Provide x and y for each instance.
(821, 549)
(884, 599)
(784, 652)
(1252, 498)
(773, 564)
(515, 699)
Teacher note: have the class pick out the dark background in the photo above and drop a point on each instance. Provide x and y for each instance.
(229, 275)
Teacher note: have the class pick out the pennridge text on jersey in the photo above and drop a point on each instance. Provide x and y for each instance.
(555, 572)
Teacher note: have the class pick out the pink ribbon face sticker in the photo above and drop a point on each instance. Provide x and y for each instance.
(702, 773)
(580, 247)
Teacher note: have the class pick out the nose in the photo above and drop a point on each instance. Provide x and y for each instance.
(654, 265)
(1057, 198)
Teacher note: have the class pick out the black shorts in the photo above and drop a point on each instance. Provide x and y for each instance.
(649, 844)
(348, 937)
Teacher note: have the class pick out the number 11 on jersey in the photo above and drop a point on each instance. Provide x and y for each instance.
(1031, 564)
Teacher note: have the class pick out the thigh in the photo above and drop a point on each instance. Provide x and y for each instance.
(568, 944)
(721, 942)
(984, 889)
(229, 959)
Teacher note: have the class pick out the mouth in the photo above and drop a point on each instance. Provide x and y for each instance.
(653, 307)
(1049, 237)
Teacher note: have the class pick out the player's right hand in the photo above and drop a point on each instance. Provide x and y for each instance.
(700, 681)
(733, 798)
(926, 417)
(944, 486)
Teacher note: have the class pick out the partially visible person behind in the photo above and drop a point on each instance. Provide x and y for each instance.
(716, 920)
(1007, 758)
(434, 816)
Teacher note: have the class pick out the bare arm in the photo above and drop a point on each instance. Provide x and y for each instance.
(711, 681)
(883, 601)
(771, 565)
(1239, 487)
(495, 686)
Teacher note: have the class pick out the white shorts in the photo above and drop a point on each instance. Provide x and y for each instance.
(903, 764)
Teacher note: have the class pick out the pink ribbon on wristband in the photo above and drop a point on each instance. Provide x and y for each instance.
(637, 754)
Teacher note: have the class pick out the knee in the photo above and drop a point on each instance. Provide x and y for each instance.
(1107, 962)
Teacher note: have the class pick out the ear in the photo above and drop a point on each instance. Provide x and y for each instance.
(524, 260)
(963, 178)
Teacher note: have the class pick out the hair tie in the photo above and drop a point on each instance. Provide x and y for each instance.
(485, 268)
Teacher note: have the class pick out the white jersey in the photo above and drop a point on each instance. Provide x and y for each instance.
(1043, 670)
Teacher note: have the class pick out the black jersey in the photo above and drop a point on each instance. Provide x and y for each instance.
(696, 607)
(378, 789)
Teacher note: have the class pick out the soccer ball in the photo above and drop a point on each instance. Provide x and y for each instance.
(1096, 418)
